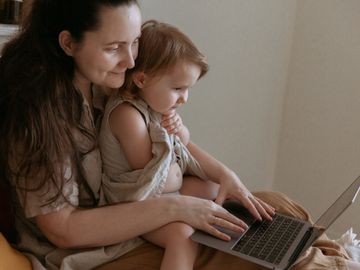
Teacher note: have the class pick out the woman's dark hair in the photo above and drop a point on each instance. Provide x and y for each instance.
(39, 106)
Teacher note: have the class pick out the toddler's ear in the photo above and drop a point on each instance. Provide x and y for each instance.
(139, 79)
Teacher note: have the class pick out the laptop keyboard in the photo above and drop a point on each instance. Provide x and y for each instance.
(269, 240)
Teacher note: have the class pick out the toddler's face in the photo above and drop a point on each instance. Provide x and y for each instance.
(168, 91)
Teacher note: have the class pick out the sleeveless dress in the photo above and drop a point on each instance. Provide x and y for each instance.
(122, 183)
(41, 252)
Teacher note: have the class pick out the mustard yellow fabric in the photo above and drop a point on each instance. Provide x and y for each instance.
(11, 258)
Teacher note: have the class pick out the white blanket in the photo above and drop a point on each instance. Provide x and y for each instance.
(351, 244)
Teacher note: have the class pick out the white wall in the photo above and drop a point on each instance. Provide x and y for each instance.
(234, 112)
(319, 151)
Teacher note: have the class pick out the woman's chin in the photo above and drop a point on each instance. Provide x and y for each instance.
(114, 83)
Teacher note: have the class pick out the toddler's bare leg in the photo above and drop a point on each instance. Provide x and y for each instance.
(194, 186)
(180, 250)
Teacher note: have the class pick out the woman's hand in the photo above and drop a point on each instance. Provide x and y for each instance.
(206, 215)
(172, 122)
(231, 187)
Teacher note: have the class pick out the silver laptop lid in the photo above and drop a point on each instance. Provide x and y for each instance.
(339, 206)
(333, 212)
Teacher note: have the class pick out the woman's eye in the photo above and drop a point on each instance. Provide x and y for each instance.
(135, 43)
(112, 49)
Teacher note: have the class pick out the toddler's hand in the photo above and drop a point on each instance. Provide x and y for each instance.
(172, 122)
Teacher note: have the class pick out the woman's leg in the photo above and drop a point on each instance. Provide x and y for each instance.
(145, 257)
(324, 253)
(149, 257)
(283, 204)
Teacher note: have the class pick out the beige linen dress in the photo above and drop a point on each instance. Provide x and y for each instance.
(34, 244)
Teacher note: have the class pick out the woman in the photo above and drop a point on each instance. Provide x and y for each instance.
(49, 110)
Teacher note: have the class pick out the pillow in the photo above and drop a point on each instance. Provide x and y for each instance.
(10, 258)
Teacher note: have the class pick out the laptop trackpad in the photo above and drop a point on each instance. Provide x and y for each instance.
(237, 210)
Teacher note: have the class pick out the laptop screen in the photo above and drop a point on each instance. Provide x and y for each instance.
(338, 207)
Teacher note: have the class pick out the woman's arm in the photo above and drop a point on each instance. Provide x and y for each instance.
(230, 184)
(73, 228)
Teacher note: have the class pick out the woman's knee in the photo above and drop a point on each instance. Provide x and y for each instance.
(283, 204)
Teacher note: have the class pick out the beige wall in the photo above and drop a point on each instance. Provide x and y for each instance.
(319, 153)
(234, 112)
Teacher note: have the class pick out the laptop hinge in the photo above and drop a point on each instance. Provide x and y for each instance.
(300, 247)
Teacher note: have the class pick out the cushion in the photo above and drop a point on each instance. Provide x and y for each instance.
(10, 258)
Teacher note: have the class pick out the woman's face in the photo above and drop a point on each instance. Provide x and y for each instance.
(103, 55)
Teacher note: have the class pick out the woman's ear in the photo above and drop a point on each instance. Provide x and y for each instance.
(67, 43)
(139, 78)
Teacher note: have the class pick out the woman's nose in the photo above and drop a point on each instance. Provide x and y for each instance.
(128, 61)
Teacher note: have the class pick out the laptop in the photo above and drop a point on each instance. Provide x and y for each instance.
(278, 243)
